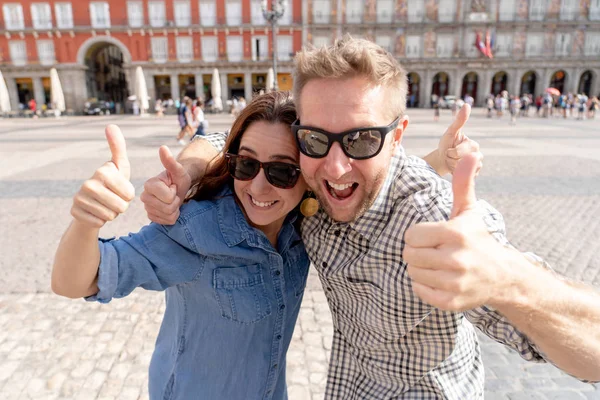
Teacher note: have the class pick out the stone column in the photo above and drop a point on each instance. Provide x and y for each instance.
(38, 91)
(455, 84)
(573, 76)
(13, 93)
(224, 91)
(175, 87)
(199, 83)
(514, 82)
(484, 84)
(248, 86)
(595, 88)
(151, 86)
(74, 88)
(425, 89)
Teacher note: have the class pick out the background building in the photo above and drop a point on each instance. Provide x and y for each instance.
(96, 45)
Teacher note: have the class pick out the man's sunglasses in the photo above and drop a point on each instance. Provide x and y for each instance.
(279, 174)
(359, 144)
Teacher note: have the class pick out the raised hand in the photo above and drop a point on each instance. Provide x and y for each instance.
(108, 192)
(456, 265)
(164, 193)
(455, 145)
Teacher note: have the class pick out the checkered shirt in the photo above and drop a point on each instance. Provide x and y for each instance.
(387, 343)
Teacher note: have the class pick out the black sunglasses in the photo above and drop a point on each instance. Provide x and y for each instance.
(359, 144)
(279, 174)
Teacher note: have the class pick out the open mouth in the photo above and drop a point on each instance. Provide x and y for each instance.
(341, 191)
(262, 204)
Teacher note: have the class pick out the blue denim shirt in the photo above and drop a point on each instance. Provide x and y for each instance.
(232, 300)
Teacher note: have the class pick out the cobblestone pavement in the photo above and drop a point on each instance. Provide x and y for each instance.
(543, 175)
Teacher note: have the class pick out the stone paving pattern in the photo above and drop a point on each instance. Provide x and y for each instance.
(543, 175)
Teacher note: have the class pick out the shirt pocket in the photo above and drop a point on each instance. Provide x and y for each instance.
(241, 293)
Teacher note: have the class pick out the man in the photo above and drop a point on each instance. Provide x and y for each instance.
(407, 273)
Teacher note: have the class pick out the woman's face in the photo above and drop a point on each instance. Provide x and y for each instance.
(265, 205)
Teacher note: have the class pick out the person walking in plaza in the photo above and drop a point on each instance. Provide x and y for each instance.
(187, 119)
(233, 267)
(409, 264)
(199, 121)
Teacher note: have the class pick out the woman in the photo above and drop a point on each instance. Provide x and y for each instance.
(186, 121)
(233, 266)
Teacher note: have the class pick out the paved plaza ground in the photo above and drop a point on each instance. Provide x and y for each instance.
(542, 174)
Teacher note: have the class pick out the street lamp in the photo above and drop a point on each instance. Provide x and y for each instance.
(275, 13)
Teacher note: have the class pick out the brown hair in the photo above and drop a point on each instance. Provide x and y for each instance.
(274, 107)
(348, 58)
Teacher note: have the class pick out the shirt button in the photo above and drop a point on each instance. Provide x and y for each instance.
(278, 337)
(274, 366)
(328, 289)
(278, 272)
(324, 264)
(281, 307)
(337, 232)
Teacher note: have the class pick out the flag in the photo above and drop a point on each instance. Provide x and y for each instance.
(488, 45)
(479, 44)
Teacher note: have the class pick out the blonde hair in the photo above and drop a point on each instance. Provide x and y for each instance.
(348, 58)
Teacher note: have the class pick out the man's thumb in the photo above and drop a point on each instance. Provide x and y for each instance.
(118, 150)
(463, 185)
(173, 167)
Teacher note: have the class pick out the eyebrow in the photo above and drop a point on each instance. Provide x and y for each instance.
(277, 157)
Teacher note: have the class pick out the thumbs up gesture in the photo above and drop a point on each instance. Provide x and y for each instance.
(108, 192)
(456, 265)
(164, 193)
(455, 145)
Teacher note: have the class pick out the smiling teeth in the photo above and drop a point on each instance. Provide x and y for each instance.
(339, 187)
(261, 204)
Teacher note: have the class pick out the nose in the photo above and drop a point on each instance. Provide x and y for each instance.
(337, 164)
(260, 184)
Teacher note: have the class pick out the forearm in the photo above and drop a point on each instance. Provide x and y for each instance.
(196, 156)
(561, 317)
(76, 262)
(436, 163)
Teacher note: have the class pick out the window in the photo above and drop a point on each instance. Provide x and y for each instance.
(18, 52)
(507, 10)
(444, 46)
(256, 11)
(470, 49)
(233, 10)
(210, 48)
(416, 10)
(185, 48)
(319, 41)
(354, 11)
(537, 10)
(562, 44)
(260, 48)
(446, 10)
(208, 13)
(503, 45)
(13, 16)
(135, 13)
(284, 48)
(183, 15)
(413, 46)
(595, 10)
(286, 18)
(535, 44)
(160, 49)
(41, 15)
(99, 14)
(321, 11)
(45, 50)
(385, 11)
(385, 42)
(235, 49)
(568, 9)
(157, 14)
(64, 15)
(592, 44)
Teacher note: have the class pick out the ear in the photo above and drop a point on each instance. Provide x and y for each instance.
(399, 131)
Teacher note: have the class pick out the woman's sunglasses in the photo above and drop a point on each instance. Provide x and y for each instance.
(279, 174)
(359, 144)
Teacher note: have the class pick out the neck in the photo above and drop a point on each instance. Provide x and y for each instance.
(271, 231)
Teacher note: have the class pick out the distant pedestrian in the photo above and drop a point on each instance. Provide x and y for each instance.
(188, 121)
(515, 105)
(158, 107)
(435, 103)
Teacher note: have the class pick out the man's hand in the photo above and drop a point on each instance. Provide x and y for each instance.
(456, 265)
(164, 194)
(455, 145)
(108, 192)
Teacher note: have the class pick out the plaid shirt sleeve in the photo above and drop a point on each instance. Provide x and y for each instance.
(217, 140)
(488, 320)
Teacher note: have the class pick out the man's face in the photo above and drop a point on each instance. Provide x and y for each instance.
(346, 187)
